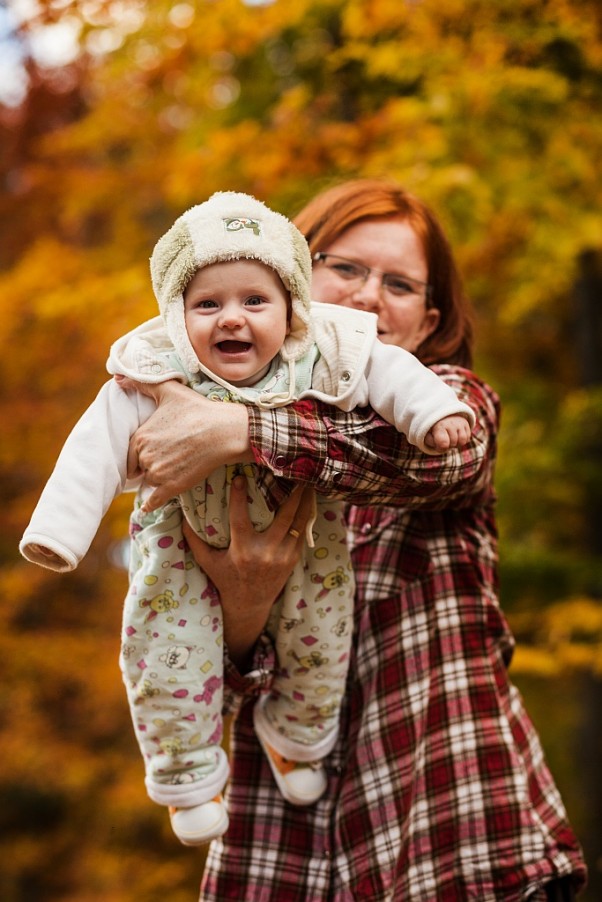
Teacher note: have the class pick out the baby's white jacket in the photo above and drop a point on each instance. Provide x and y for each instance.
(354, 369)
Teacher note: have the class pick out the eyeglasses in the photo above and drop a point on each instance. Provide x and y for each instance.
(356, 273)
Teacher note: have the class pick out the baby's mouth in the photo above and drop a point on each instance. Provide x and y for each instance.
(233, 347)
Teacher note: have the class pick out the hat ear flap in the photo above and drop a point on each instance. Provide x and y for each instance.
(302, 271)
(173, 265)
(300, 337)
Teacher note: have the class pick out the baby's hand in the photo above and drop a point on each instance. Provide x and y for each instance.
(450, 432)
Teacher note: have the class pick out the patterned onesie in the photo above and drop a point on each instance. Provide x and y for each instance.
(172, 650)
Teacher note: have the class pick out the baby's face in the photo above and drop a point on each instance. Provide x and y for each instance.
(236, 316)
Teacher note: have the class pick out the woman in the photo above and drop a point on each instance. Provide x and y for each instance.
(437, 788)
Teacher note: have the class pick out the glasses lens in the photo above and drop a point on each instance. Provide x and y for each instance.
(400, 286)
(345, 269)
(395, 286)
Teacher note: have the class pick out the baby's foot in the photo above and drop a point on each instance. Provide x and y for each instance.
(300, 782)
(200, 824)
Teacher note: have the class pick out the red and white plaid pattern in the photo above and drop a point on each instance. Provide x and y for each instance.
(438, 790)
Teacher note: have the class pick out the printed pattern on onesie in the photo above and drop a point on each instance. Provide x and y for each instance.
(172, 651)
(172, 642)
(311, 626)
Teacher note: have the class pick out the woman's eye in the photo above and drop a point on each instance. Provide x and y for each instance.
(347, 270)
(399, 286)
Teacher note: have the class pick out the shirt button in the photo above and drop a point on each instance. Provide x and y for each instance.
(366, 529)
(280, 461)
(345, 376)
(327, 853)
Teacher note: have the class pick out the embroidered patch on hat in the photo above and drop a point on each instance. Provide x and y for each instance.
(242, 222)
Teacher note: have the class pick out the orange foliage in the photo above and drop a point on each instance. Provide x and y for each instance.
(488, 110)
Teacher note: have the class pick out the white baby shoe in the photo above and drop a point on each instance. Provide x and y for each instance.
(200, 824)
(301, 783)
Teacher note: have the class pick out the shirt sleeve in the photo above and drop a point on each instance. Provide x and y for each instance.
(89, 473)
(360, 458)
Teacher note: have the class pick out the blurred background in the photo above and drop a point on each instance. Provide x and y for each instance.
(115, 116)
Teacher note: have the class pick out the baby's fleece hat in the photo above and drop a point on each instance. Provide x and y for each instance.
(231, 226)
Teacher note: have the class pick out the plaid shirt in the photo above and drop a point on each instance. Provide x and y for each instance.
(438, 790)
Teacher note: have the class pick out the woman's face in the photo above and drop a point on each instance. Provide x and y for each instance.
(390, 246)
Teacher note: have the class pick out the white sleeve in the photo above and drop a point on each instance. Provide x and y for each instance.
(89, 473)
(408, 395)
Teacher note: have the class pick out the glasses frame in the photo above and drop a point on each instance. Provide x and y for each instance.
(424, 288)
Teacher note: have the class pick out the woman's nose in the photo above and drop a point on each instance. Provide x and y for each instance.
(368, 295)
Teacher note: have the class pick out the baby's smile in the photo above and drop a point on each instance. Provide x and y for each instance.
(233, 347)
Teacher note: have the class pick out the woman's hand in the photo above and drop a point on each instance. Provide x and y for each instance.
(251, 573)
(185, 439)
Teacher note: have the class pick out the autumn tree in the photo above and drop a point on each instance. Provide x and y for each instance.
(489, 111)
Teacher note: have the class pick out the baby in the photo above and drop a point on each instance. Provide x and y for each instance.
(232, 279)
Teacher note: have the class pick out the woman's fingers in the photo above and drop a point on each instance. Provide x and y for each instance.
(185, 439)
(133, 462)
(294, 514)
(203, 553)
(290, 520)
(241, 528)
(297, 513)
(307, 509)
(156, 391)
(255, 557)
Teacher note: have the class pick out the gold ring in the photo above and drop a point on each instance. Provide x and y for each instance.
(294, 532)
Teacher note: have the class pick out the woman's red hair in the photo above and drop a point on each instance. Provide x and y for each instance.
(332, 211)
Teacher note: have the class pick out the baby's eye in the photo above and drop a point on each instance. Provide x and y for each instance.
(206, 304)
(254, 300)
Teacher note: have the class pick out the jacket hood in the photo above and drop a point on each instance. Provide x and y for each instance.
(231, 226)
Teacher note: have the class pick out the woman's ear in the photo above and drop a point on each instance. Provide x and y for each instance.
(430, 322)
